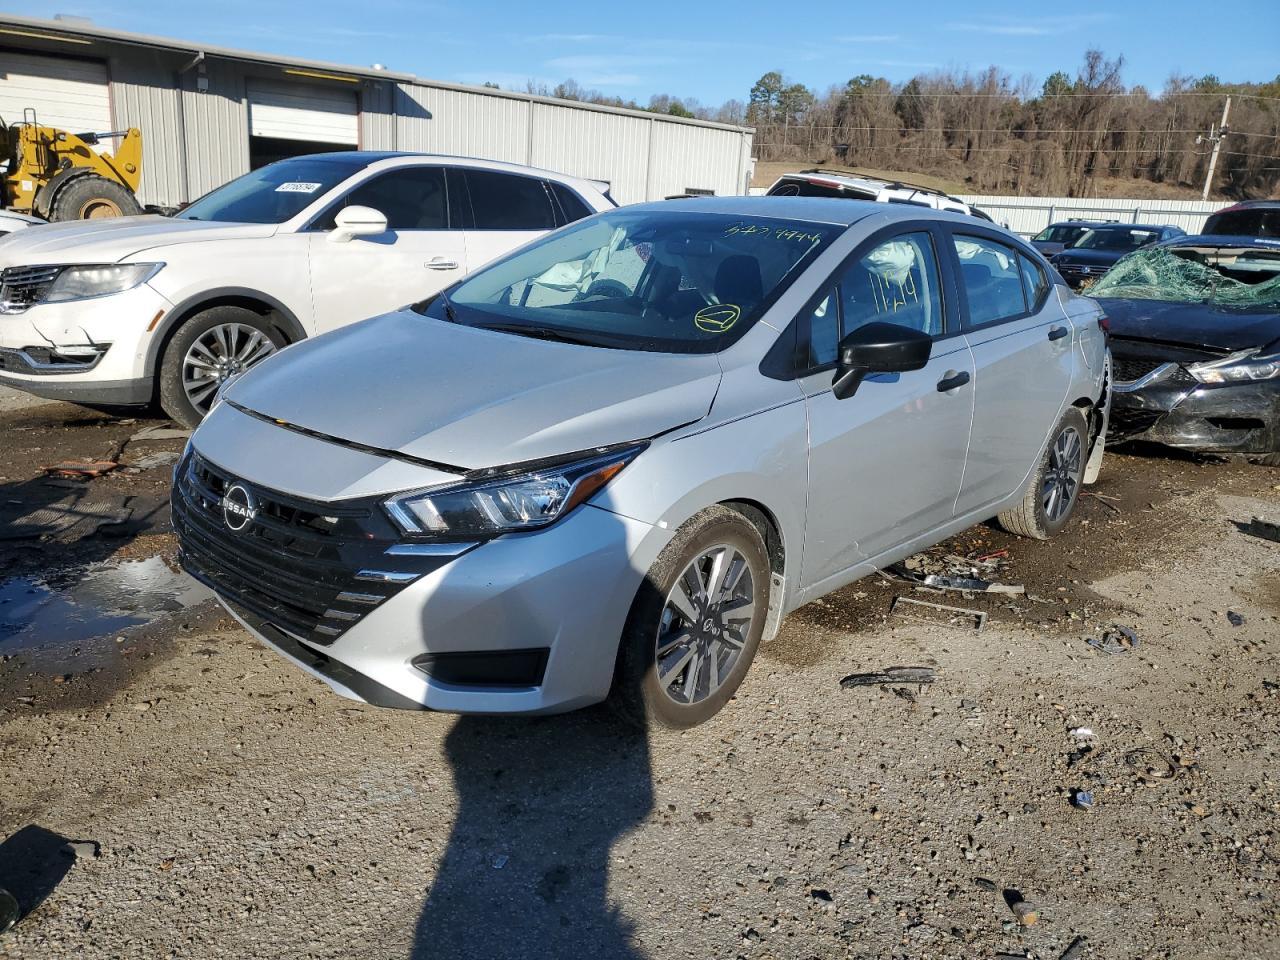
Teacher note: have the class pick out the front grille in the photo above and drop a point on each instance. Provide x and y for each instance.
(21, 287)
(1126, 371)
(296, 564)
(1130, 423)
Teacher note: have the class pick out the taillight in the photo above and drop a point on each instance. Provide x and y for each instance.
(1104, 323)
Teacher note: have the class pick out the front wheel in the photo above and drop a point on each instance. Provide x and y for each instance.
(1054, 486)
(696, 622)
(209, 350)
(91, 197)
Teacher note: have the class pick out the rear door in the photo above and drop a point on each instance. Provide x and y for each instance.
(885, 465)
(1022, 350)
(506, 211)
(419, 255)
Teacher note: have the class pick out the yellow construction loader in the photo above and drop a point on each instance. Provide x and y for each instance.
(57, 175)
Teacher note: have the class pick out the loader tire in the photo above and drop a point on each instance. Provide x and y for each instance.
(92, 197)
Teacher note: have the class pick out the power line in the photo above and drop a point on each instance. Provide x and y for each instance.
(1151, 131)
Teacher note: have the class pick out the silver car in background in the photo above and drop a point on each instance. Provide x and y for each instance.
(615, 459)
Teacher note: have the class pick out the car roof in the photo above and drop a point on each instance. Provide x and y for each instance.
(831, 210)
(1249, 205)
(1134, 226)
(392, 158)
(1224, 240)
(864, 182)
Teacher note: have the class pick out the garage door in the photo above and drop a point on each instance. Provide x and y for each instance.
(67, 94)
(296, 111)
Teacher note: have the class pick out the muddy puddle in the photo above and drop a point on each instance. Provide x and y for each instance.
(71, 621)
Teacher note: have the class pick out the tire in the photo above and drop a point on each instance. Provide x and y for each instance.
(1062, 463)
(92, 197)
(640, 692)
(207, 350)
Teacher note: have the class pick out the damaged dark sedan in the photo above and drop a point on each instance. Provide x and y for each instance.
(1195, 337)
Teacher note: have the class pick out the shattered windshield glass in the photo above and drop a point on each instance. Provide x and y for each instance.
(1239, 278)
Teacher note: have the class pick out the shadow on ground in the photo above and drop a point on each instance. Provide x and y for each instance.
(541, 803)
(33, 862)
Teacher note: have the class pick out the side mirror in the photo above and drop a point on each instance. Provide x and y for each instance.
(878, 348)
(357, 222)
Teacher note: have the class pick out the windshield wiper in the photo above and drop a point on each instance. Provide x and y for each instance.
(449, 312)
(541, 333)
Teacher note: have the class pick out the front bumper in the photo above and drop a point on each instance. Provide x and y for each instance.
(525, 623)
(1178, 411)
(92, 351)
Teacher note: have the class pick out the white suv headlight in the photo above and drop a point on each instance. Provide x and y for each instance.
(516, 502)
(99, 280)
(1245, 365)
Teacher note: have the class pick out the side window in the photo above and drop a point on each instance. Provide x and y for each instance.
(897, 282)
(410, 199)
(992, 281)
(1034, 282)
(571, 205)
(824, 332)
(504, 201)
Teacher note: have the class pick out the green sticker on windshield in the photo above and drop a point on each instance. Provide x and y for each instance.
(717, 318)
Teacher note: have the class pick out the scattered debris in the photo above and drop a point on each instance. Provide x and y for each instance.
(1026, 912)
(817, 893)
(1082, 799)
(157, 432)
(1235, 619)
(1074, 949)
(1082, 734)
(1257, 527)
(499, 861)
(917, 675)
(66, 520)
(87, 469)
(1114, 641)
(985, 885)
(972, 585)
(1151, 767)
(153, 460)
(83, 849)
(915, 611)
(1105, 501)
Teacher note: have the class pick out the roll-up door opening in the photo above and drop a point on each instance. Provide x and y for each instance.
(293, 119)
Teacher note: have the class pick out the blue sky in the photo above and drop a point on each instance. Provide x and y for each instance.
(715, 51)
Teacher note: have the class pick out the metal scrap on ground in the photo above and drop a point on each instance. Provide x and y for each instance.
(86, 469)
(1114, 641)
(911, 609)
(67, 520)
(1257, 527)
(157, 432)
(890, 675)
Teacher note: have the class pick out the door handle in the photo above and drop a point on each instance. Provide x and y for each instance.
(440, 263)
(953, 382)
(1057, 333)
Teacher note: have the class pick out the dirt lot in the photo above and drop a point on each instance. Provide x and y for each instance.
(232, 807)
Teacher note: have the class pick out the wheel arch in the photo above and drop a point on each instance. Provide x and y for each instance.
(260, 303)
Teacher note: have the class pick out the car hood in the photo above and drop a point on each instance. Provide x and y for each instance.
(1190, 324)
(469, 398)
(110, 240)
(1090, 258)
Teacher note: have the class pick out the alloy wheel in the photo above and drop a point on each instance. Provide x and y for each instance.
(705, 624)
(219, 355)
(1061, 478)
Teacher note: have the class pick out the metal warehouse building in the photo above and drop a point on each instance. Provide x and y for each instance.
(209, 114)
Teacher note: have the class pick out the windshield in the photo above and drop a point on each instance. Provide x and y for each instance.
(1117, 238)
(275, 193)
(1059, 234)
(646, 280)
(1243, 279)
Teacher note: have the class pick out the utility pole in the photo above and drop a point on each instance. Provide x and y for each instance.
(1215, 137)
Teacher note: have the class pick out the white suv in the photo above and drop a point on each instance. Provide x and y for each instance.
(127, 311)
(847, 186)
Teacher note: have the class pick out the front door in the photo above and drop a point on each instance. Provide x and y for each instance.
(418, 256)
(885, 465)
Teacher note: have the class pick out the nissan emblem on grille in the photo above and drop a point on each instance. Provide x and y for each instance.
(238, 507)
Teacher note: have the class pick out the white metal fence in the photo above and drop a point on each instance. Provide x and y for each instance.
(1029, 215)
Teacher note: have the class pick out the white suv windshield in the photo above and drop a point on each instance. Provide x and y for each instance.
(275, 193)
(654, 280)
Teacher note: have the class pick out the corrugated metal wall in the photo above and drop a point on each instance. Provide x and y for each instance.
(195, 126)
(1030, 215)
(144, 95)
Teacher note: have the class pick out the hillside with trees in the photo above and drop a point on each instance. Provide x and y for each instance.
(1077, 135)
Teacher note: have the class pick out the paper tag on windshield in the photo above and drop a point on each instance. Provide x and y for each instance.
(298, 187)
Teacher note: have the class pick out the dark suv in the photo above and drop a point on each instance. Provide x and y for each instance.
(1252, 218)
(1102, 246)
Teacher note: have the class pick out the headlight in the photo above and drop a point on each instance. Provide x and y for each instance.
(99, 280)
(1236, 368)
(526, 500)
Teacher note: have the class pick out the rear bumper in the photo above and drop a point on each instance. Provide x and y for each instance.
(1242, 418)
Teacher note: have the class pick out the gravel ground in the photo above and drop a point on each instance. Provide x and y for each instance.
(232, 807)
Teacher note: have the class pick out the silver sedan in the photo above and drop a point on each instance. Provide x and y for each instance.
(614, 460)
